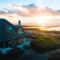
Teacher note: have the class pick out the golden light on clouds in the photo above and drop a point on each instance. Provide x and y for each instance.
(31, 16)
(37, 20)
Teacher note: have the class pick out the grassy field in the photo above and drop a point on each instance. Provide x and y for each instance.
(46, 38)
(44, 41)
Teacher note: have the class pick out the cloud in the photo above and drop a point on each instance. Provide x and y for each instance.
(30, 10)
(27, 14)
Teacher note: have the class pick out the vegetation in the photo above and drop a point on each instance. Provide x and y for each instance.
(54, 56)
(45, 41)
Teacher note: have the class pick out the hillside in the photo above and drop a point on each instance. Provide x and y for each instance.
(44, 41)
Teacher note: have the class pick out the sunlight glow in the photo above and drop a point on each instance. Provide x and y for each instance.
(41, 20)
(36, 20)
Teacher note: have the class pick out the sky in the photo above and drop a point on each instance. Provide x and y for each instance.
(13, 11)
(54, 4)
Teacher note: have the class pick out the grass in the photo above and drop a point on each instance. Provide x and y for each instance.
(45, 40)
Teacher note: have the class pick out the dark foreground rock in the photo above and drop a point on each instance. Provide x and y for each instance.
(54, 56)
(14, 54)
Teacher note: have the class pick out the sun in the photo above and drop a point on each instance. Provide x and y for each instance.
(41, 20)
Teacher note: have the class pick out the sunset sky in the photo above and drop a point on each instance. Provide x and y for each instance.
(31, 12)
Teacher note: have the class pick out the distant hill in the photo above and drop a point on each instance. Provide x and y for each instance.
(7, 30)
